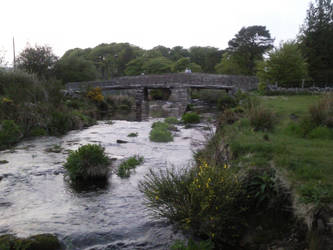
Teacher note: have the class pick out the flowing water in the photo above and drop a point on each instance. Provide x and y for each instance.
(36, 198)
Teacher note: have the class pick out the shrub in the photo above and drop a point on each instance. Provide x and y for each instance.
(34, 132)
(89, 162)
(132, 135)
(36, 242)
(171, 120)
(262, 86)
(226, 101)
(95, 94)
(190, 117)
(205, 199)
(125, 167)
(261, 118)
(60, 122)
(10, 133)
(160, 134)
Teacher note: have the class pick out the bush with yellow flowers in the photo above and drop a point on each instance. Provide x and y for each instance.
(95, 94)
(206, 200)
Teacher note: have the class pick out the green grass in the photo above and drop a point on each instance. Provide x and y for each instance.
(307, 162)
(125, 167)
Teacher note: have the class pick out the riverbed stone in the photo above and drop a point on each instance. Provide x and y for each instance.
(122, 141)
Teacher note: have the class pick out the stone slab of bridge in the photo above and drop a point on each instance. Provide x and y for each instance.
(178, 83)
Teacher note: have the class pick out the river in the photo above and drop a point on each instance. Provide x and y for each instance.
(36, 198)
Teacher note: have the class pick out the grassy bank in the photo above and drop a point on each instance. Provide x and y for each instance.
(306, 159)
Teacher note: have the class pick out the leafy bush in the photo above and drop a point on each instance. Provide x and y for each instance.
(10, 133)
(261, 118)
(38, 132)
(262, 86)
(190, 117)
(226, 101)
(160, 134)
(171, 120)
(126, 166)
(205, 199)
(89, 162)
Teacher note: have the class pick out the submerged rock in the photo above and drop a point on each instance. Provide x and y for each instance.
(121, 141)
(36, 242)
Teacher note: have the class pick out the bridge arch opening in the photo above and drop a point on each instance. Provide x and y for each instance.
(159, 94)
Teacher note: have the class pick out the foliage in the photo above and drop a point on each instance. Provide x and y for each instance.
(158, 65)
(171, 120)
(226, 101)
(75, 69)
(190, 117)
(316, 38)
(39, 60)
(88, 162)
(95, 94)
(159, 94)
(284, 65)
(160, 132)
(249, 45)
(9, 133)
(135, 67)
(181, 64)
(132, 135)
(229, 65)
(262, 87)
(204, 199)
(323, 133)
(205, 57)
(191, 245)
(124, 170)
(35, 242)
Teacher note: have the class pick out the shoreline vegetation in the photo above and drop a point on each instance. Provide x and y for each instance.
(263, 180)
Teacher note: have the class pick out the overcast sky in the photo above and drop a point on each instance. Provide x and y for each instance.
(67, 24)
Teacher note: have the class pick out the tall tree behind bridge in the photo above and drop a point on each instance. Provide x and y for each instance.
(316, 39)
(249, 46)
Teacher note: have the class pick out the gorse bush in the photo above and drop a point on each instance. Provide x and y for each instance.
(190, 117)
(95, 94)
(125, 167)
(89, 162)
(205, 200)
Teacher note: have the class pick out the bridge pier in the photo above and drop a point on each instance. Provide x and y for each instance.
(181, 97)
(141, 103)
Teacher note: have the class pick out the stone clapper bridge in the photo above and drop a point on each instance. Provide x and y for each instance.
(178, 84)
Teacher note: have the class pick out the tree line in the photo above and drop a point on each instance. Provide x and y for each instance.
(251, 52)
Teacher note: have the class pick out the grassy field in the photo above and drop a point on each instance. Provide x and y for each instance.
(307, 162)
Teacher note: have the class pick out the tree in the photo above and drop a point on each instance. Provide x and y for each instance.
(178, 52)
(135, 67)
(39, 60)
(285, 65)
(229, 65)
(158, 65)
(181, 64)
(75, 69)
(249, 46)
(206, 57)
(316, 38)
